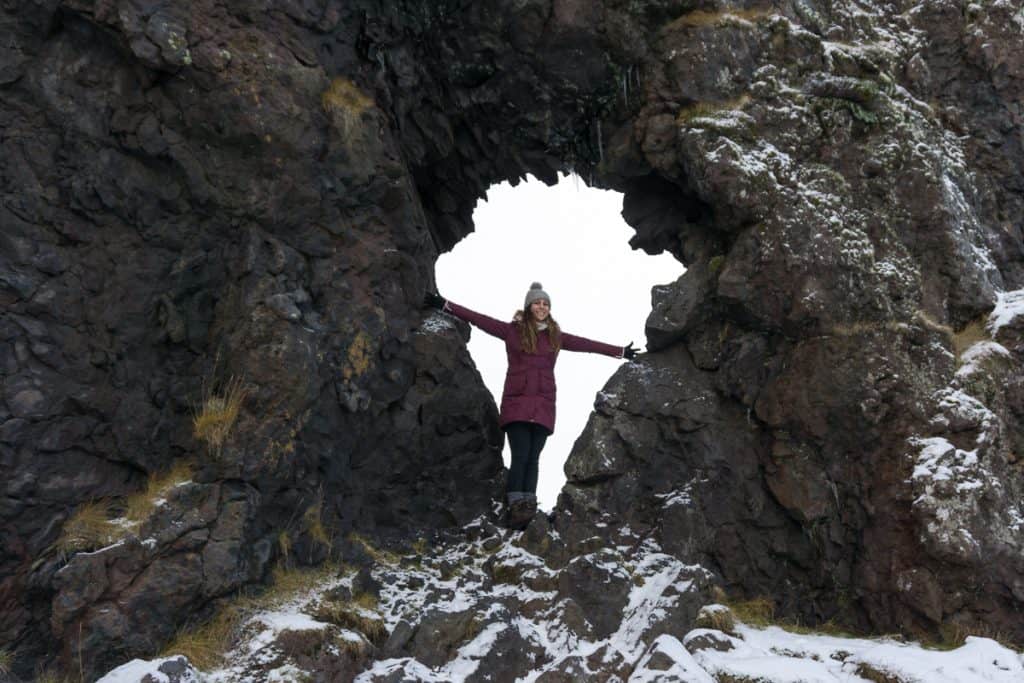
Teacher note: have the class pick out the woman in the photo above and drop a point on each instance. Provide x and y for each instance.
(532, 341)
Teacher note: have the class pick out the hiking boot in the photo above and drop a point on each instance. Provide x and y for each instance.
(520, 512)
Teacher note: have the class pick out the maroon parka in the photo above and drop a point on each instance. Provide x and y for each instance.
(529, 393)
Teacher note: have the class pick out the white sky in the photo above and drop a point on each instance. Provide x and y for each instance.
(572, 239)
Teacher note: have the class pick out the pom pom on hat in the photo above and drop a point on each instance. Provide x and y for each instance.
(536, 292)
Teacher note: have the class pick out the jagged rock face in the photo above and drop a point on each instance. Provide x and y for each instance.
(188, 197)
(814, 423)
(213, 191)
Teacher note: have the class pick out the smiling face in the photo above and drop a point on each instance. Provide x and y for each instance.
(540, 309)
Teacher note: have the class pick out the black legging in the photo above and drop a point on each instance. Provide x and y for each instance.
(526, 439)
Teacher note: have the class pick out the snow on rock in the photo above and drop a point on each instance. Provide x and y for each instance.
(676, 497)
(1009, 307)
(436, 323)
(668, 660)
(274, 623)
(165, 670)
(650, 602)
(260, 654)
(464, 664)
(959, 477)
(974, 358)
(498, 604)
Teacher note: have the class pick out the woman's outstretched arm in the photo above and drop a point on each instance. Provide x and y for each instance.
(571, 342)
(491, 326)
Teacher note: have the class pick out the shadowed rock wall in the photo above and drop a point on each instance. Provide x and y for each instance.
(191, 196)
(259, 191)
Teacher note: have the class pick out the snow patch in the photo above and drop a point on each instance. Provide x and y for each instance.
(435, 323)
(683, 668)
(976, 354)
(137, 669)
(1009, 306)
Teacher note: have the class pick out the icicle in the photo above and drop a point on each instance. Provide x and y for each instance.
(600, 144)
(625, 86)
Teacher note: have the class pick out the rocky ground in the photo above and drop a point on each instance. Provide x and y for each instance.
(490, 605)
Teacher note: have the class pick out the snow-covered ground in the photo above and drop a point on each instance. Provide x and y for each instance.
(772, 654)
(526, 608)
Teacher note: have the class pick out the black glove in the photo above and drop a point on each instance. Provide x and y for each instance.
(434, 300)
(629, 353)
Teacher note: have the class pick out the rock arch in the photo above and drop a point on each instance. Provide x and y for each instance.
(261, 192)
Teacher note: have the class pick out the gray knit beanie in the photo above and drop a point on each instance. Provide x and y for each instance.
(536, 292)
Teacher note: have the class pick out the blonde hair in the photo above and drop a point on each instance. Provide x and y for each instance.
(528, 331)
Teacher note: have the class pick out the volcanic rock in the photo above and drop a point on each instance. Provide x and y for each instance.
(232, 212)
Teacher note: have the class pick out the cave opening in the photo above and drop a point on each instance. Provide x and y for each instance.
(571, 238)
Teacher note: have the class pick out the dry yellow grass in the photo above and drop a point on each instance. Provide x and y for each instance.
(930, 323)
(284, 545)
(88, 528)
(420, 546)
(357, 649)
(827, 628)
(206, 644)
(289, 582)
(314, 525)
(139, 506)
(862, 327)
(710, 109)
(213, 420)
(6, 661)
(379, 556)
(758, 611)
(356, 615)
(953, 635)
(718, 617)
(702, 18)
(971, 334)
(91, 526)
(961, 340)
(296, 643)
